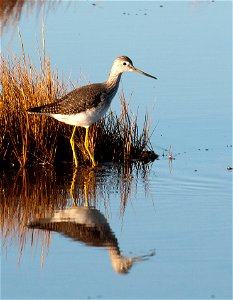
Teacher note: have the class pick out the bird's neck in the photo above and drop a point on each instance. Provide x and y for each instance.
(113, 79)
(120, 263)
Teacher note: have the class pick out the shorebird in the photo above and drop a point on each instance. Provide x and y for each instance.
(86, 105)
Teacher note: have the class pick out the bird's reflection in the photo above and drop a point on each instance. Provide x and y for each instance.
(67, 203)
(88, 225)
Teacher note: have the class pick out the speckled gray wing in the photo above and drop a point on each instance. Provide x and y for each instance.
(78, 100)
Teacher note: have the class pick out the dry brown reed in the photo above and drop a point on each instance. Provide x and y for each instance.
(12, 10)
(22, 87)
(27, 139)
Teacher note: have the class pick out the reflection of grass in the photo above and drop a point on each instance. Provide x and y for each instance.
(26, 139)
(23, 196)
(36, 193)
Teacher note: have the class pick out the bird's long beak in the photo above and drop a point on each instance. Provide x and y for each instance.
(143, 73)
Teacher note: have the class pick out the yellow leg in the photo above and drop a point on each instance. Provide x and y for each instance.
(73, 148)
(86, 194)
(72, 187)
(88, 151)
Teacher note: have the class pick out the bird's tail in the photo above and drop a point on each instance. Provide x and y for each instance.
(34, 110)
(44, 109)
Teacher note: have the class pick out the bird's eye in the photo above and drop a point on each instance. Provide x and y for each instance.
(124, 63)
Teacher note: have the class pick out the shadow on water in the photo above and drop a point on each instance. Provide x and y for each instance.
(37, 202)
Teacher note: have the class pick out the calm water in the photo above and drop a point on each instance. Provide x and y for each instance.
(169, 224)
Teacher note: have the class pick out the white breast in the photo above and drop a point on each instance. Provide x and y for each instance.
(83, 119)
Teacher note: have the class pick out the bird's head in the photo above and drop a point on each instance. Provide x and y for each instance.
(124, 64)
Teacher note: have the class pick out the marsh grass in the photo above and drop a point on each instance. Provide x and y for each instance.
(26, 139)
